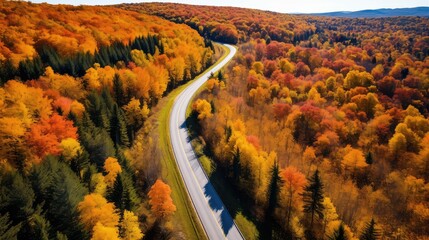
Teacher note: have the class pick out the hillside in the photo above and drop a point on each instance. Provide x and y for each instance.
(377, 13)
(78, 157)
(319, 126)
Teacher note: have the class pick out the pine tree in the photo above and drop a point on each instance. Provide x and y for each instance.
(118, 91)
(273, 191)
(41, 227)
(107, 99)
(220, 76)
(7, 231)
(98, 111)
(313, 197)
(16, 196)
(118, 127)
(339, 234)
(370, 232)
(123, 194)
(368, 158)
(64, 194)
(236, 167)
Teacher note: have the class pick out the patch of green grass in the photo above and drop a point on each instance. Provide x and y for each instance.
(247, 227)
(185, 215)
(207, 165)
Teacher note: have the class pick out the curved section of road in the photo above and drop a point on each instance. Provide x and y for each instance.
(214, 217)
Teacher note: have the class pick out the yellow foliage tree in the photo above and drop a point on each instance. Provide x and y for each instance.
(112, 168)
(71, 148)
(135, 114)
(354, 160)
(66, 85)
(130, 227)
(329, 213)
(203, 108)
(94, 209)
(98, 185)
(101, 232)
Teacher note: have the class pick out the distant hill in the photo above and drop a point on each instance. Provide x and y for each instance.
(384, 12)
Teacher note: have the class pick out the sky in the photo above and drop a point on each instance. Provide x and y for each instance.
(285, 6)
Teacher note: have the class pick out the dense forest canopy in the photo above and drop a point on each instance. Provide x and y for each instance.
(321, 122)
(78, 85)
(319, 126)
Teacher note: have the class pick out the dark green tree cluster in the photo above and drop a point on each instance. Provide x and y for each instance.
(41, 204)
(77, 64)
(102, 127)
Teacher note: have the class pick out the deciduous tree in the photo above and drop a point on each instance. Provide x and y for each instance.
(162, 205)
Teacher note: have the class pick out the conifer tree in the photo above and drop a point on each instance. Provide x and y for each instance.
(64, 194)
(236, 167)
(118, 91)
(7, 230)
(313, 197)
(368, 158)
(123, 194)
(16, 196)
(41, 227)
(339, 234)
(370, 232)
(273, 191)
(118, 127)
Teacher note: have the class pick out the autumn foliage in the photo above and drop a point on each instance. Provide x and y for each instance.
(342, 96)
(77, 86)
(160, 200)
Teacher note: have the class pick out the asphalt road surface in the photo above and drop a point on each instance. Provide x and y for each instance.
(215, 218)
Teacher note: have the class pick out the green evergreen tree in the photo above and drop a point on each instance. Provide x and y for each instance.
(40, 227)
(118, 127)
(370, 232)
(118, 91)
(98, 111)
(80, 162)
(7, 71)
(99, 146)
(123, 194)
(339, 234)
(313, 197)
(220, 76)
(236, 167)
(65, 193)
(61, 236)
(16, 196)
(107, 100)
(368, 158)
(273, 189)
(7, 230)
(273, 192)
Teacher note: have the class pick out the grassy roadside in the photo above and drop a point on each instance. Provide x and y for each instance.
(185, 214)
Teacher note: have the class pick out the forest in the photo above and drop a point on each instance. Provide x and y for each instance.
(317, 129)
(319, 124)
(78, 85)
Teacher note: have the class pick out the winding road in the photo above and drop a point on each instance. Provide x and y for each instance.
(214, 217)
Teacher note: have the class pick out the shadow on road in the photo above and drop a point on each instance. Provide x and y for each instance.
(216, 204)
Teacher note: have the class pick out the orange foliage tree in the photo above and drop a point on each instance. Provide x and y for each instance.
(160, 200)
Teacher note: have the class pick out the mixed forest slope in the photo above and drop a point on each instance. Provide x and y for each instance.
(77, 86)
(320, 125)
